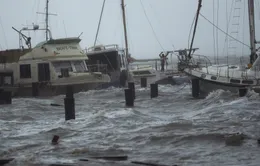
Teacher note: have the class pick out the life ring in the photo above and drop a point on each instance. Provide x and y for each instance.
(123, 78)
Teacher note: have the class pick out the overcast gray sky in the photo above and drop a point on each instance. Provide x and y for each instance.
(170, 19)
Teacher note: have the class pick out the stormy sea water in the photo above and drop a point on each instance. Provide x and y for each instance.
(171, 129)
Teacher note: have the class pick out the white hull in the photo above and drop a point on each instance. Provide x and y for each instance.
(229, 78)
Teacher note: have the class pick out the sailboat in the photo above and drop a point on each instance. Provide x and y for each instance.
(235, 78)
(114, 59)
(46, 69)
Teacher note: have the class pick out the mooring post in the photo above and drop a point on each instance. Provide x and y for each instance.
(35, 89)
(8, 97)
(69, 103)
(129, 99)
(5, 97)
(242, 92)
(195, 88)
(154, 90)
(131, 85)
(143, 82)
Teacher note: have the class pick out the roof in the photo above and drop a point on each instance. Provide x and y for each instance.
(12, 55)
(59, 41)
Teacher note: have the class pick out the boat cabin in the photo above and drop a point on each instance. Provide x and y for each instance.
(110, 57)
(44, 62)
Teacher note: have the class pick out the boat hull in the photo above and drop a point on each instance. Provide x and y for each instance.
(207, 86)
(44, 90)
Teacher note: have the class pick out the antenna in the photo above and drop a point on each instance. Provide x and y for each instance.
(80, 34)
(47, 18)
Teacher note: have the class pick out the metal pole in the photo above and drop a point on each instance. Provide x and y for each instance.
(195, 27)
(99, 22)
(47, 19)
(125, 31)
(252, 30)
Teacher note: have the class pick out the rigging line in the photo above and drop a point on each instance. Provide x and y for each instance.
(223, 31)
(214, 40)
(3, 32)
(258, 5)
(101, 14)
(191, 27)
(38, 6)
(34, 4)
(229, 19)
(226, 30)
(151, 25)
(160, 23)
(217, 31)
(65, 28)
(128, 34)
(243, 28)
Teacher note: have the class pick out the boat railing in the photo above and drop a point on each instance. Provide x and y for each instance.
(102, 48)
(200, 60)
(98, 68)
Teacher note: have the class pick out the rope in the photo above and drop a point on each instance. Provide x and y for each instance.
(191, 27)
(99, 22)
(3, 32)
(243, 37)
(217, 31)
(160, 23)
(258, 5)
(228, 21)
(224, 31)
(214, 40)
(151, 26)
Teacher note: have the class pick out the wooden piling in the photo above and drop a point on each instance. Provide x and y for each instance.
(143, 82)
(69, 103)
(154, 90)
(131, 85)
(195, 88)
(129, 99)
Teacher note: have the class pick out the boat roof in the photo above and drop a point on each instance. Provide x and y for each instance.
(99, 49)
(12, 55)
(59, 41)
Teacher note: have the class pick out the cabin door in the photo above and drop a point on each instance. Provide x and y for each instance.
(43, 72)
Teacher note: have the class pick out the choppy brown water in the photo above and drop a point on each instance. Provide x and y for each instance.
(171, 129)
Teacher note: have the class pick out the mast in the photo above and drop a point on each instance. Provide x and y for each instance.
(125, 32)
(195, 27)
(47, 19)
(251, 16)
(101, 14)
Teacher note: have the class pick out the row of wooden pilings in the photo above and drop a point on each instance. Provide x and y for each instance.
(69, 101)
(130, 91)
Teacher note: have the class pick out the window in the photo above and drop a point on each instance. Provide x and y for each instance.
(58, 65)
(79, 66)
(25, 71)
(7, 80)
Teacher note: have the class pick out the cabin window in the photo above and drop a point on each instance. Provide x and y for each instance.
(7, 80)
(58, 65)
(25, 71)
(79, 66)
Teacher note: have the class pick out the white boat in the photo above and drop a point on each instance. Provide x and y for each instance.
(47, 68)
(112, 60)
(151, 70)
(235, 78)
